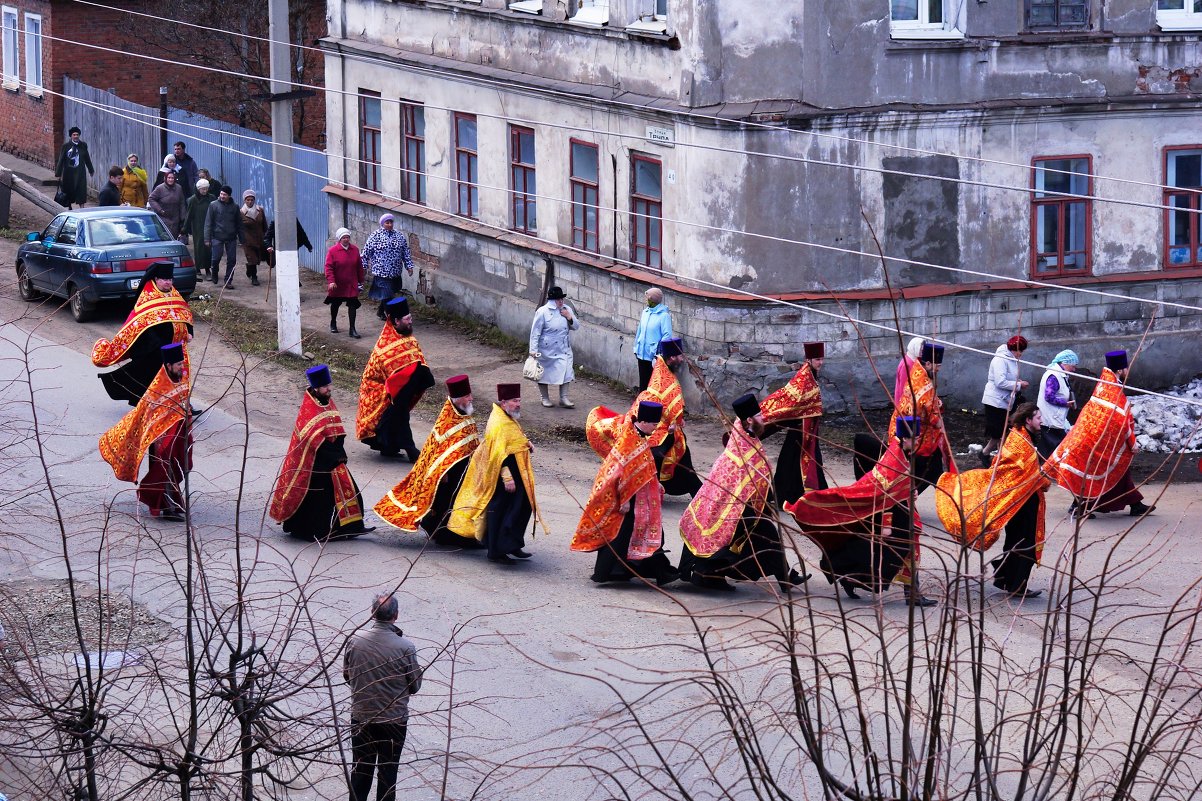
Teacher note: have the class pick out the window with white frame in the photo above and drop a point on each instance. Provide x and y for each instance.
(926, 19)
(1179, 15)
(594, 13)
(652, 18)
(33, 54)
(12, 54)
(527, 6)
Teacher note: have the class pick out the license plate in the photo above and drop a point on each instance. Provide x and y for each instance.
(133, 283)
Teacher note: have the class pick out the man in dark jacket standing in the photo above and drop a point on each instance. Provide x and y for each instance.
(381, 667)
(223, 233)
(187, 167)
(74, 165)
(110, 195)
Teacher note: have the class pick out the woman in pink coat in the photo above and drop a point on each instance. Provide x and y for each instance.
(344, 279)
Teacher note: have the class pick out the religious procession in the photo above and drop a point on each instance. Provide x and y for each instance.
(475, 488)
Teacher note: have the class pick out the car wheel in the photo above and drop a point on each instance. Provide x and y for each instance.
(25, 285)
(81, 310)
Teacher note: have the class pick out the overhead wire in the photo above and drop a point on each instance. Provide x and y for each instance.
(841, 317)
(613, 210)
(645, 109)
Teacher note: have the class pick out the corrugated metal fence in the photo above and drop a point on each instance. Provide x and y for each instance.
(114, 128)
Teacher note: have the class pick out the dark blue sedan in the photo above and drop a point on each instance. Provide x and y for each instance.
(97, 254)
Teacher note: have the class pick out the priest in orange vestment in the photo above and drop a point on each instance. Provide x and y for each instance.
(394, 380)
(622, 520)
(160, 317)
(974, 506)
(728, 530)
(423, 497)
(676, 475)
(315, 496)
(157, 427)
(797, 408)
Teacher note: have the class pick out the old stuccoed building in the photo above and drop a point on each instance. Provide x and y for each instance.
(739, 149)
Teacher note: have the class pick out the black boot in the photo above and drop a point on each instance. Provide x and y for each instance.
(333, 323)
(350, 314)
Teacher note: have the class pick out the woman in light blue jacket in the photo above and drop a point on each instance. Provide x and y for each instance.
(655, 325)
(551, 344)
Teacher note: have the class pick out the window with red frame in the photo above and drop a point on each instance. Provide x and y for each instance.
(413, 152)
(646, 211)
(1060, 225)
(466, 169)
(369, 140)
(522, 185)
(584, 173)
(1183, 173)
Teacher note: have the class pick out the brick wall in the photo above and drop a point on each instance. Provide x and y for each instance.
(33, 128)
(754, 346)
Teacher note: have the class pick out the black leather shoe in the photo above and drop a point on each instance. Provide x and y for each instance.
(520, 554)
(1140, 509)
(254, 282)
(333, 328)
(502, 560)
(355, 334)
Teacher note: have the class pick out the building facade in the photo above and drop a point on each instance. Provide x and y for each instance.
(876, 164)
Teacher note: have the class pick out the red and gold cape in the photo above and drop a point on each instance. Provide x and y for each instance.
(1098, 449)
(453, 438)
(315, 424)
(164, 405)
(151, 308)
(503, 438)
(741, 477)
(601, 429)
(974, 506)
(663, 388)
(393, 353)
(800, 399)
(919, 400)
(626, 476)
(830, 516)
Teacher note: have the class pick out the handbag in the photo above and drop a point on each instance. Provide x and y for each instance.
(532, 369)
(60, 197)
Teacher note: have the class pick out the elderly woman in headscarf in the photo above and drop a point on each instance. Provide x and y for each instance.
(344, 278)
(386, 254)
(1054, 400)
(551, 344)
(902, 382)
(170, 166)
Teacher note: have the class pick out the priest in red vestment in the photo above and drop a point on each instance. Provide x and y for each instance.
(394, 380)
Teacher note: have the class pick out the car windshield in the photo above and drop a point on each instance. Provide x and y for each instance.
(126, 230)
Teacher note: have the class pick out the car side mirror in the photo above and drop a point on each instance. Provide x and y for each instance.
(32, 236)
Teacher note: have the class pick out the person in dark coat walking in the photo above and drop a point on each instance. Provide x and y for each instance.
(195, 211)
(223, 232)
(167, 200)
(189, 171)
(344, 277)
(73, 167)
(254, 232)
(110, 195)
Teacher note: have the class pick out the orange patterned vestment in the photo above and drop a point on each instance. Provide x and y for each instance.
(152, 308)
(164, 405)
(600, 429)
(453, 438)
(832, 515)
(315, 424)
(741, 477)
(989, 497)
(503, 438)
(919, 400)
(664, 389)
(626, 476)
(391, 354)
(1098, 449)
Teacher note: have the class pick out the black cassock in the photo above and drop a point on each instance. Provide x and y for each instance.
(393, 432)
(129, 381)
(611, 563)
(507, 514)
(684, 480)
(435, 520)
(1012, 569)
(761, 554)
(316, 518)
(788, 480)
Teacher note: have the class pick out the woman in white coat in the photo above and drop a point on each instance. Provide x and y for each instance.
(551, 344)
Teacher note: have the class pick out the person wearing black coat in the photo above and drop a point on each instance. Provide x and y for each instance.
(73, 167)
(110, 195)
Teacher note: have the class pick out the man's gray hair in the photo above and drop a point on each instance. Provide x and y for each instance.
(385, 607)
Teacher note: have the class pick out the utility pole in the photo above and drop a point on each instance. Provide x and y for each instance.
(287, 265)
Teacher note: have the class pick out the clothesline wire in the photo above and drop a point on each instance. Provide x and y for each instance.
(695, 145)
(980, 274)
(843, 317)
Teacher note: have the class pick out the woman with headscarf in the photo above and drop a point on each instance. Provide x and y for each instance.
(344, 278)
(386, 254)
(254, 231)
(901, 382)
(1054, 400)
(167, 200)
(169, 166)
(194, 225)
(551, 344)
(135, 184)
